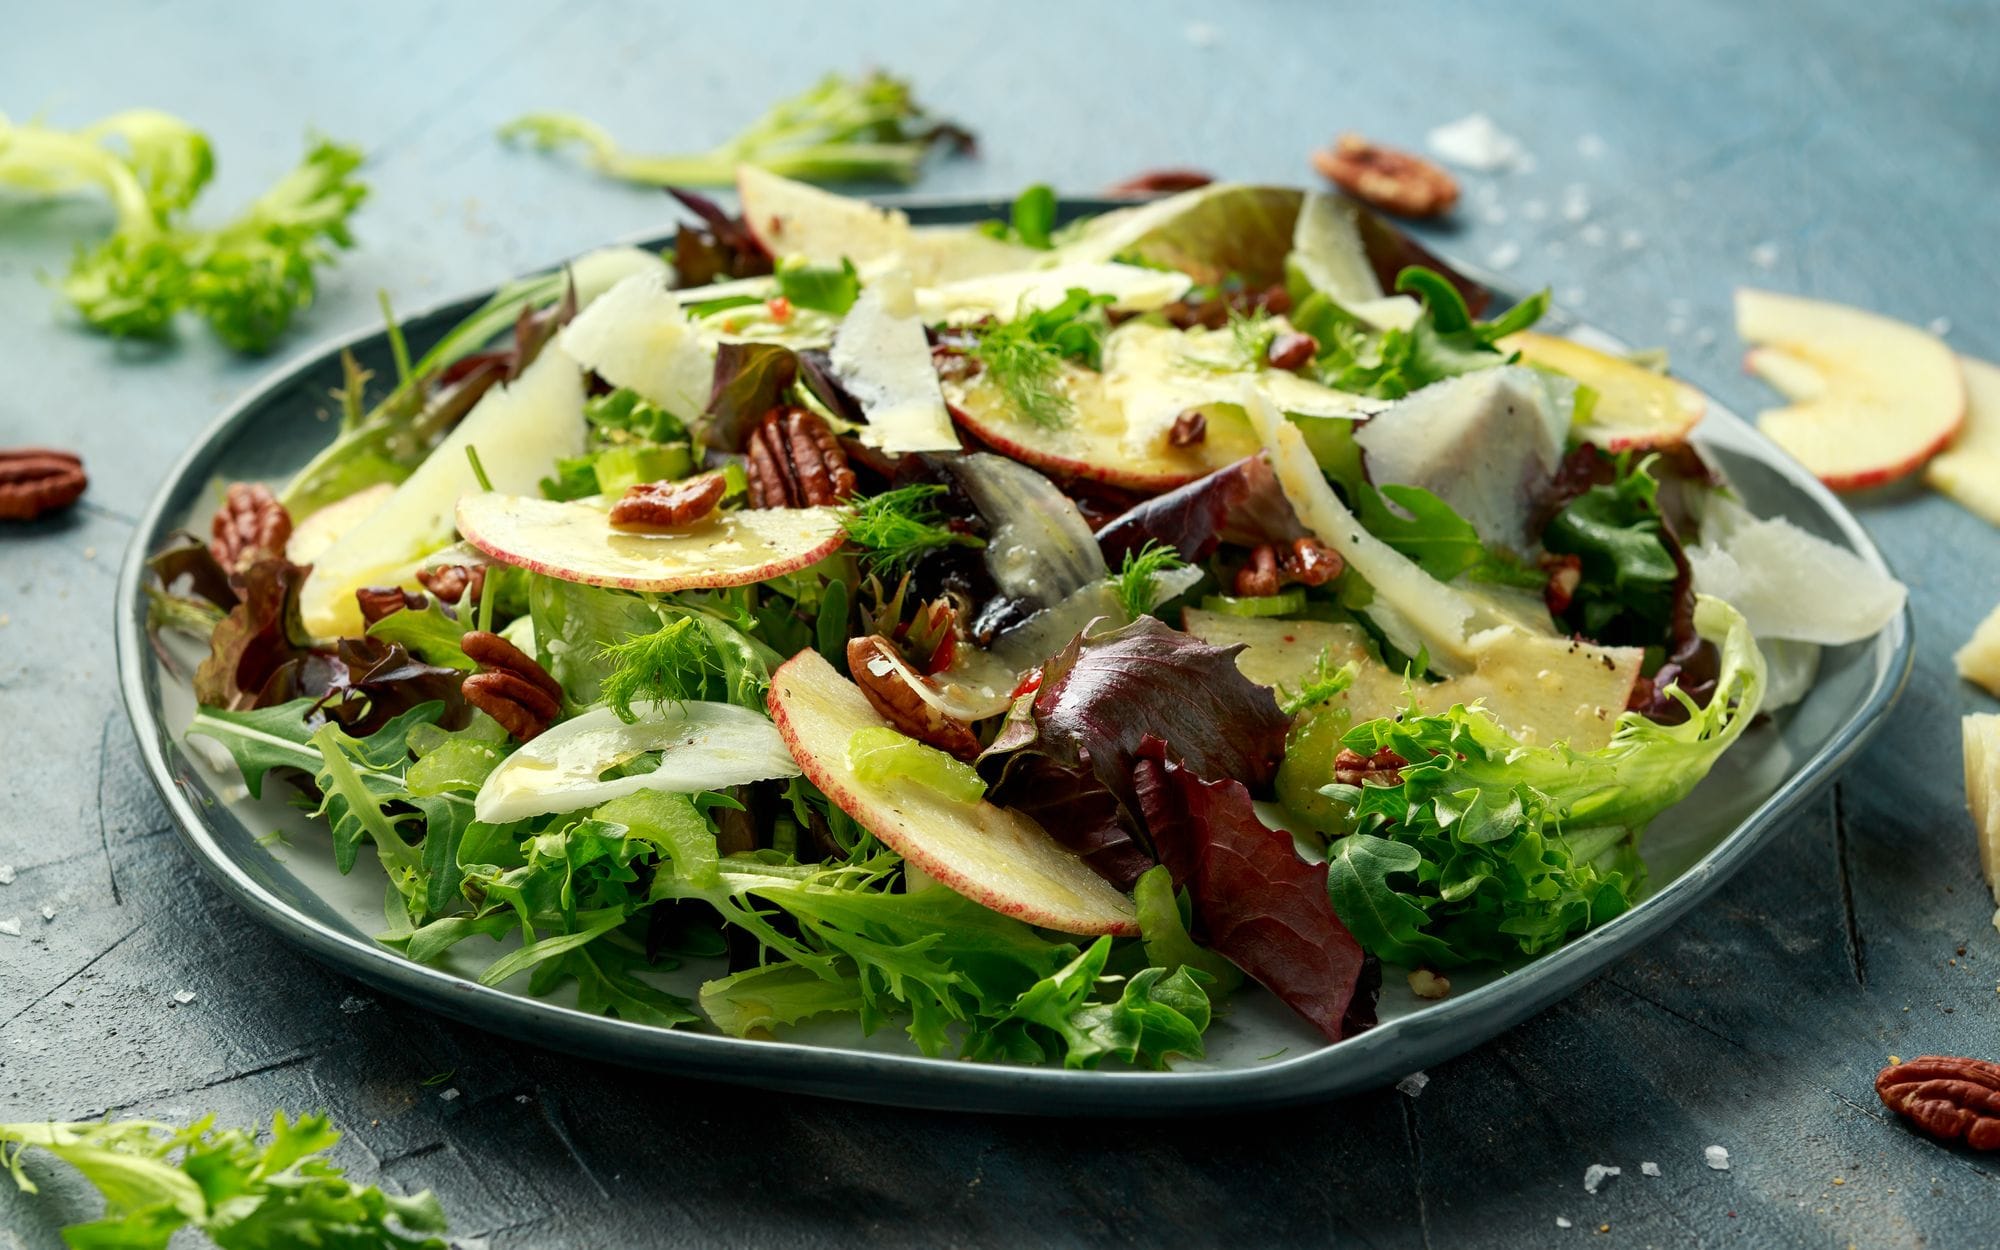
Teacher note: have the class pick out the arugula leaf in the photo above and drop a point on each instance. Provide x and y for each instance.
(841, 129)
(1630, 569)
(1133, 583)
(242, 1192)
(820, 287)
(897, 528)
(1485, 849)
(1024, 356)
(1426, 529)
(1032, 221)
(247, 278)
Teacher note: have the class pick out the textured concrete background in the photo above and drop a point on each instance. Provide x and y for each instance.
(1845, 150)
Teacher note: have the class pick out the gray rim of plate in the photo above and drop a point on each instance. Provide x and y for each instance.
(1374, 1058)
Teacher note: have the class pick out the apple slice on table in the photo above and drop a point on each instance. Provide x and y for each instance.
(1636, 407)
(575, 542)
(1873, 398)
(519, 430)
(1969, 469)
(996, 857)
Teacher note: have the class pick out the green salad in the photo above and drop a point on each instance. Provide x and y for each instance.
(1030, 635)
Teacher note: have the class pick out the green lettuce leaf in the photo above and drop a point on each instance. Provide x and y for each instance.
(1485, 850)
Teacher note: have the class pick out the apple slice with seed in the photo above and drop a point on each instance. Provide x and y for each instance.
(1635, 407)
(575, 542)
(1873, 399)
(996, 857)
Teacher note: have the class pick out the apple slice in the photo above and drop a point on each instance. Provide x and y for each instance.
(1978, 661)
(1982, 793)
(1543, 689)
(519, 430)
(1096, 442)
(1969, 469)
(1635, 407)
(992, 855)
(575, 542)
(1873, 398)
(316, 535)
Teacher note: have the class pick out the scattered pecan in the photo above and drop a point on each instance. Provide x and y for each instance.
(1189, 429)
(1389, 179)
(796, 462)
(451, 582)
(1384, 768)
(34, 480)
(1950, 1098)
(251, 525)
(668, 505)
(1211, 311)
(897, 691)
(1428, 984)
(1305, 561)
(377, 602)
(1565, 575)
(1291, 350)
(1160, 182)
(510, 685)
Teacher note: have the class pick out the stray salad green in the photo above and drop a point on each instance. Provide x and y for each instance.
(993, 632)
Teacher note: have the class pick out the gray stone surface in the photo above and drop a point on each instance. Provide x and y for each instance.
(1847, 147)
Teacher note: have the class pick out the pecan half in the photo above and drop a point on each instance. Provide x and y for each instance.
(1387, 178)
(35, 480)
(1949, 1098)
(1189, 429)
(1384, 768)
(1160, 182)
(1291, 350)
(796, 462)
(1565, 575)
(899, 692)
(1305, 562)
(377, 602)
(668, 505)
(510, 685)
(251, 525)
(450, 582)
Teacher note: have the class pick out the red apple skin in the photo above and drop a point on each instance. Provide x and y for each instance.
(945, 873)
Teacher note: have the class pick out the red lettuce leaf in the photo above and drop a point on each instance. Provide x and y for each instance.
(368, 682)
(722, 247)
(750, 380)
(190, 558)
(1080, 813)
(1255, 901)
(1239, 503)
(258, 644)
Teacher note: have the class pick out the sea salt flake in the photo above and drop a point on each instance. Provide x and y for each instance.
(1590, 147)
(1562, 1222)
(1631, 240)
(1575, 202)
(447, 1095)
(353, 1004)
(522, 1099)
(1474, 142)
(11, 926)
(1649, 1168)
(1596, 1174)
(1939, 326)
(1677, 325)
(48, 912)
(1593, 235)
(184, 997)
(1764, 256)
(1504, 256)
(1570, 296)
(1716, 1157)
(6, 874)
(1413, 1084)
(1494, 215)
(1201, 34)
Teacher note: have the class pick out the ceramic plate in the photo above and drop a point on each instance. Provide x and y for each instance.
(1259, 1054)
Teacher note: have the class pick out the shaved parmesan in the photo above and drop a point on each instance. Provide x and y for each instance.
(793, 219)
(1132, 288)
(1791, 584)
(1485, 443)
(636, 336)
(703, 746)
(1328, 252)
(1979, 659)
(881, 355)
(1982, 793)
